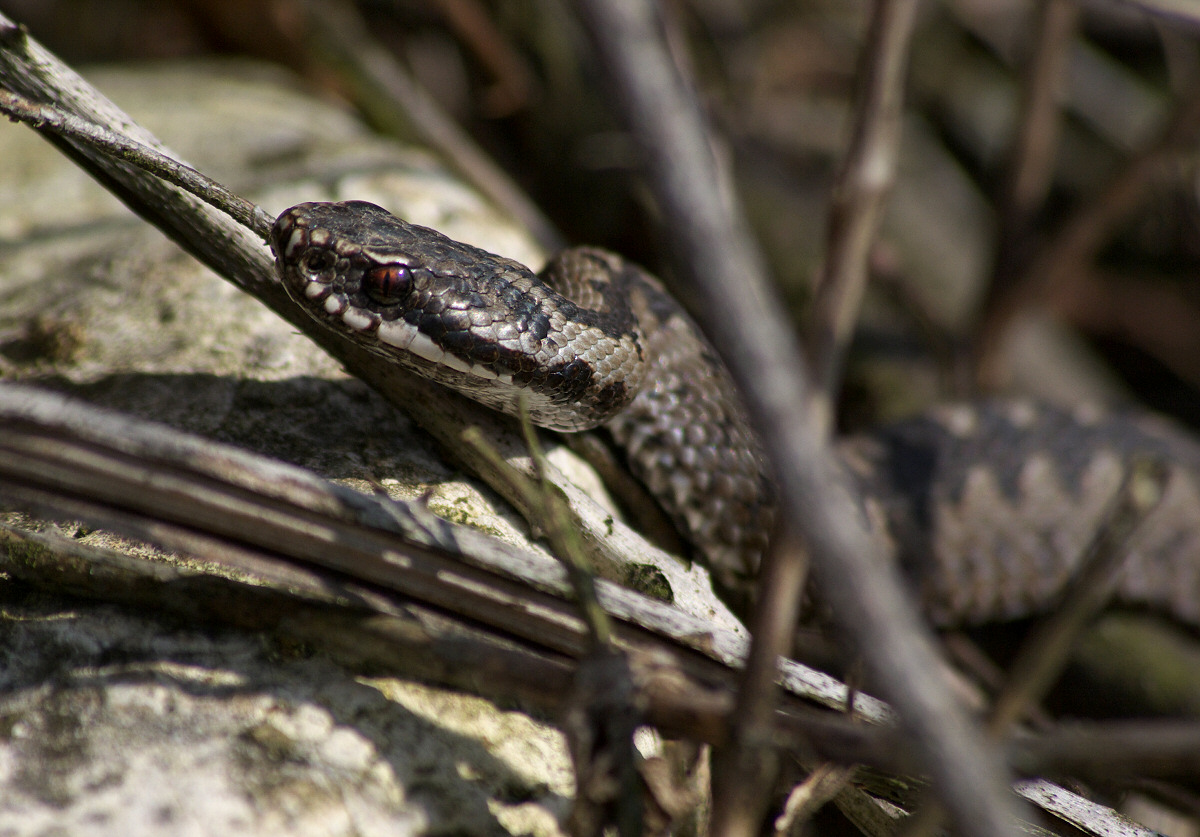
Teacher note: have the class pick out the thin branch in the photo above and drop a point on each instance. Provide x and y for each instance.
(364, 628)
(352, 623)
(187, 492)
(859, 193)
(45, 118)
(560, 531)
(212, 236)
(862, 590)
(1167, 748)
(1034, 149)
(745, 770)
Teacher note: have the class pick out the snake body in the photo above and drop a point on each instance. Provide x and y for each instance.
(987, 507)
(590, 340)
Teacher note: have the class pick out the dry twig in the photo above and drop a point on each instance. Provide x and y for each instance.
(45, 118)
(229, 506)
(862, 186)
(1034, 150)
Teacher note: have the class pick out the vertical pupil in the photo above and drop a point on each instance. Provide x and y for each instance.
(388, 283)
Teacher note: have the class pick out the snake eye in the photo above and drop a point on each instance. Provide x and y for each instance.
(317, 261)
(387, 284)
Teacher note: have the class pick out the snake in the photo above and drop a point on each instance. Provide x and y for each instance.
(987, 507)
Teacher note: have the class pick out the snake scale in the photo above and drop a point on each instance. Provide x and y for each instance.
(987, 507)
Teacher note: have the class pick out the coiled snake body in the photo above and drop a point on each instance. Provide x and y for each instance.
(987, 507)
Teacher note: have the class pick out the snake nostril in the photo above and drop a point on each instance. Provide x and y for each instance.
(387, 284)
(317, 261)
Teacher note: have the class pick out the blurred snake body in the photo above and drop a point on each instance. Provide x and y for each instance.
(987, 507)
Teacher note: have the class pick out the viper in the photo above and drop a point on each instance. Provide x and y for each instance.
(987, 507)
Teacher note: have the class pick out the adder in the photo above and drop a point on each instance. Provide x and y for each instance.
(987, 507)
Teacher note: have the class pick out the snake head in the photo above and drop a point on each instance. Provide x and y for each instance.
(322, 242)
(479, 323)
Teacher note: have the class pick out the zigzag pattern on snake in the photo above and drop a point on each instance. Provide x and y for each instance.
(986, 507)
